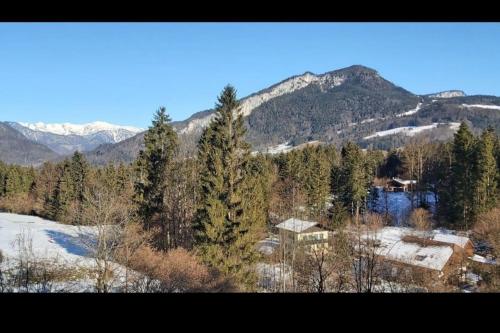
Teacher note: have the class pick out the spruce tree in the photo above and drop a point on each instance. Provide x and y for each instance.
(485, 173)
(316, 181)
(154, 162)
(223, 224)
(462, 182)
(351, 180)
(63, 194)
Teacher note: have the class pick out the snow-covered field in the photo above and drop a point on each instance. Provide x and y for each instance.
(398, 204)
(48, 241)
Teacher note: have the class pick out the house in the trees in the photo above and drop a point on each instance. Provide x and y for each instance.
(432, 258)
(295, 234)
(400, 185)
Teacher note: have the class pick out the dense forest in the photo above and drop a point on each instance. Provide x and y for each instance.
(209, 211)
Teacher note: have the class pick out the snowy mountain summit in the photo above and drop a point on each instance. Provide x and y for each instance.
(448, 94)
(116, 133)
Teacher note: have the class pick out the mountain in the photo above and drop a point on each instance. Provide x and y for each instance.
(354, 103)
(447, 94)
(125, 151)
(17, 149)
(67, 138)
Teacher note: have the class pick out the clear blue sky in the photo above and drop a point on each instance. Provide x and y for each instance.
(122, 72)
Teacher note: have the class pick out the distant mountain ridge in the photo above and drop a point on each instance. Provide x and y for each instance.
(67, 138)
(15, 148)
(354, 103)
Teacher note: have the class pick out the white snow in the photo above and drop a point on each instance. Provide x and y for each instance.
(448, 94)
(273, 276)
(482, 106)
(446, 237)
(410, 112)
(268, 246)
(49, 239)
(398, 204)
(66, 245)
(404, 181)
(196, 124)
(410, 130)
(394, 248)
(407, 130)
(367, 120)
(454, 126)
(296, 225)
(286, 147)
(281, 148)
(483, 260)
(117, 132)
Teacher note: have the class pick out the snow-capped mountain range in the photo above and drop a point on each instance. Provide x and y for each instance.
(65, 138)
(116, 132)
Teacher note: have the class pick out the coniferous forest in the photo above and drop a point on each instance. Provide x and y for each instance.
(195, 223)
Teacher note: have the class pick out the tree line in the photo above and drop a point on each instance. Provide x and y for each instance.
(218, 204)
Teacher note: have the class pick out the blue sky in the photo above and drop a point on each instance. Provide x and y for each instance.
(122, 72)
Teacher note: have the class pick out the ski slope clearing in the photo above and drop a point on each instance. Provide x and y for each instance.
(482, 106)
(411, 130)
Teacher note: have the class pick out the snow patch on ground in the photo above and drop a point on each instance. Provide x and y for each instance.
(482, 106)
(63, 245)
(398, 204)
(410, 130)
(49, 239)
(410, 112)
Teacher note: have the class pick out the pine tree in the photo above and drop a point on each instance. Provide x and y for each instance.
(316, 181)
(351, 180)
(3, 174)
(462, 186)
(63, 194)
(485, 173)
(223, 228)
(13, 180)
(153, 164)
(78, 173)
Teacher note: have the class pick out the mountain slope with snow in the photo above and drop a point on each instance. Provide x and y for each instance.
(116, 132)
(67, 138)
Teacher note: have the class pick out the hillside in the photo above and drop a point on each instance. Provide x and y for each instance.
(17, 149)
(353, 103)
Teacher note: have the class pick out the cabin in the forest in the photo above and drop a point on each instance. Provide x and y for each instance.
(400, 185)
(434, 257)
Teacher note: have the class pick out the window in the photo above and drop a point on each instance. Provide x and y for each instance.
(420, 258)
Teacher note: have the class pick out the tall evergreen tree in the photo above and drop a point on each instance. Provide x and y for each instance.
(351, 180)
(63, 193)
(462, 167)
(316, 181)
(161, 146)
(485, 173)
(222, 225)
